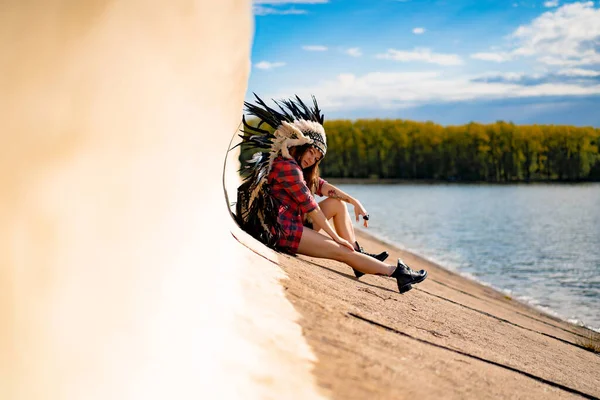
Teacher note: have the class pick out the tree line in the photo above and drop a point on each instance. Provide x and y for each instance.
(498, 152)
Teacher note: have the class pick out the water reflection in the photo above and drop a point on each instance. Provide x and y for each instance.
(538, 242)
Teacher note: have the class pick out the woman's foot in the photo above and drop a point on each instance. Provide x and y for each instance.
(406, 277)
(381, 257)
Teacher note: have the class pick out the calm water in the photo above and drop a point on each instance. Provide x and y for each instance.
(539, 243)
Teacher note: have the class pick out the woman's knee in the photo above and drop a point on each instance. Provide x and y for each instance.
(339, 206)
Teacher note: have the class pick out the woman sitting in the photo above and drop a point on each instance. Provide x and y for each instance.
(276, 203)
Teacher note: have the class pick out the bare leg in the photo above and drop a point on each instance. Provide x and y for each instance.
(336, 209)
(316, 245)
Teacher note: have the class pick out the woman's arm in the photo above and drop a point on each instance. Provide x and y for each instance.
(292, 181)
(335, 193)
(319, 218)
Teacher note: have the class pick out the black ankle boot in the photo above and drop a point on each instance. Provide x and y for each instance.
(405, 276)
(381, 257)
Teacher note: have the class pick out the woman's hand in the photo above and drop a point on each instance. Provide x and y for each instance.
(344, 242)
(319, 218)
(360, 210)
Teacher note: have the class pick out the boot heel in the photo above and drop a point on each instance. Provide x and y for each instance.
(357, 273)
(405, 288)
(381, 256)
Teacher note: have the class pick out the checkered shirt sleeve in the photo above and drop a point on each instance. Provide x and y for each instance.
(320, 187)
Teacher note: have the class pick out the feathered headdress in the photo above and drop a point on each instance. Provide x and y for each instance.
(294, 124)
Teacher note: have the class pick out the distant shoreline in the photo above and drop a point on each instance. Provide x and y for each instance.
(376, 181)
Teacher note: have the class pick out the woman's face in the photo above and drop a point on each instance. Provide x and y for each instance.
(310, 157)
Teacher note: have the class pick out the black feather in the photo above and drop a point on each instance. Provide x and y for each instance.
(257, 140)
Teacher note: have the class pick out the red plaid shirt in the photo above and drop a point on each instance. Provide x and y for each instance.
(288, 186)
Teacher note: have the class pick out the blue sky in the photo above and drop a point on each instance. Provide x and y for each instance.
(448, 61)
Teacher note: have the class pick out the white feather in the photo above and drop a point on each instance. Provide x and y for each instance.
(304, 126)
(261, 218)
(287, 130)
(255, 192)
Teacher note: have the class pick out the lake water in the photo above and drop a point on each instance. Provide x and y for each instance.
(538, 243)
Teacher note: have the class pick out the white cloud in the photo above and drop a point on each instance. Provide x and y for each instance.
(354, 52)
(565, 37)
(408, 89)
(504, 76)
(261, 10)
(314, 48)
(261, 7)
(423, 55)
(268, 65)
(577, 72)
(571, 76)
(418, 31)
(551, 3)
(496, 57)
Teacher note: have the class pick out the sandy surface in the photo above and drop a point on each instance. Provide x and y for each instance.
(447, 338)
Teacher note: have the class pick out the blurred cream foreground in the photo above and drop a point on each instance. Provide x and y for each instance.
(119, 275)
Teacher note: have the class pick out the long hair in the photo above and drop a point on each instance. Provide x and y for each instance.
(311, 174)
